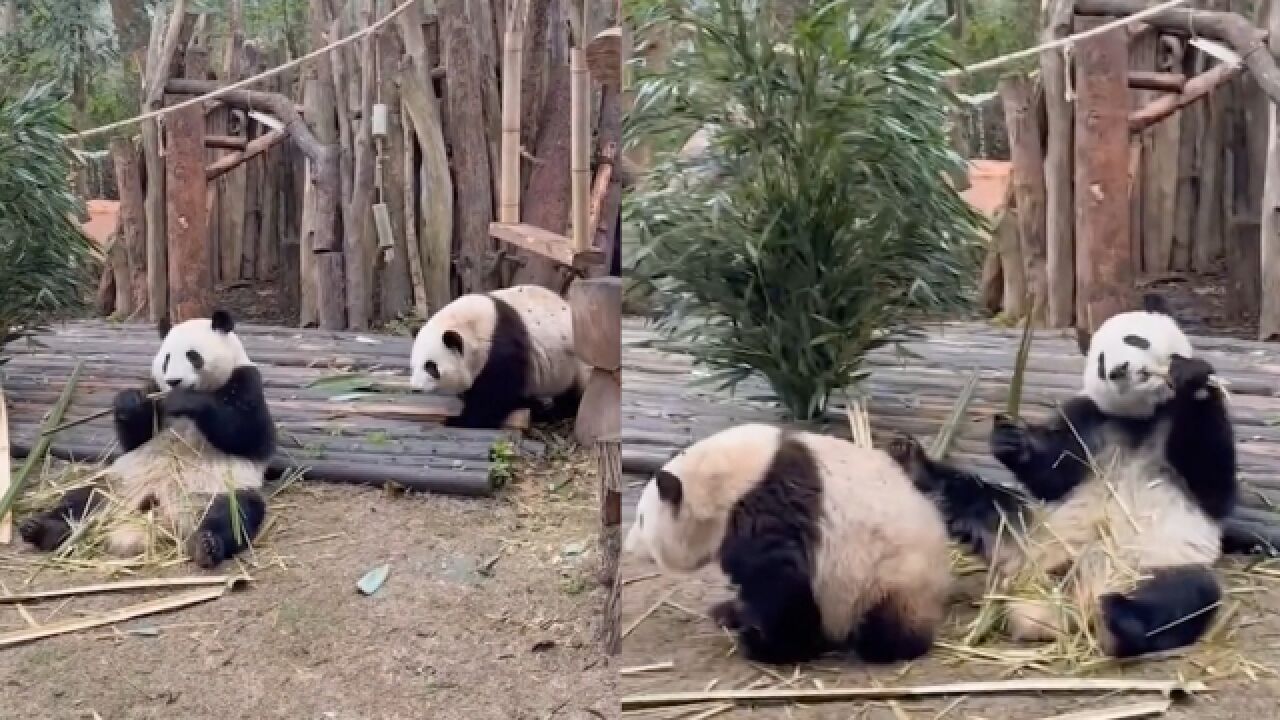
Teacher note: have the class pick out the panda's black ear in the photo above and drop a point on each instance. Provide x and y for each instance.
(669, 488)
(163, 327)
(452, 340)
(1154, 303)
(222, 321)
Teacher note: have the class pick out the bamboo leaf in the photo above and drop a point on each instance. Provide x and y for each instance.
(1020, 367)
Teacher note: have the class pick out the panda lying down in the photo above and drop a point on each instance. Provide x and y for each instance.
(187, 454)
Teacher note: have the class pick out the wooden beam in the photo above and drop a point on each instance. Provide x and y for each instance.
(252, 149)
(229, 142)
(1231, 28)
(604, 57)
(1059, 216)
(544, 243)
(1162, 81)
(1021, 98)
(1196, 88)
(1103, 258)
(133, 225)
(190, 277)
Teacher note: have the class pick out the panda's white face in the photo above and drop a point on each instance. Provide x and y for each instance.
(199, 354)
(1126, 371)
(669, 534)
(449, 350)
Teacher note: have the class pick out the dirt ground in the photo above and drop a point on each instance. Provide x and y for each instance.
(490, 611)
(677, 631)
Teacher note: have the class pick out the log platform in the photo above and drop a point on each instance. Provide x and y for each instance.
(663, 410)
(388, 436)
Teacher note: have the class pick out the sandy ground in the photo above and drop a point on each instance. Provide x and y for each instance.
(701, 654)
(453, 633)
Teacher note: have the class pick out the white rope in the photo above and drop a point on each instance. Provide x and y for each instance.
(247, 81)
(1066, 41)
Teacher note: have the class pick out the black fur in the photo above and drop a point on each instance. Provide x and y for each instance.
(48, 530)
(500, 387)
(222, 321)
(1201, 445)
(234, 418)
(883, 638)
(219, 537)
(136, 417)
(1170, 609)
(972, 507)
(768, 552)
(1049, 459)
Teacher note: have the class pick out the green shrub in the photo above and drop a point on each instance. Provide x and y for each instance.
(829, 225)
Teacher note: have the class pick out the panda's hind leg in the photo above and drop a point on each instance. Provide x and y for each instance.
(49, 529)
(223, 531)
(898, 629)
(1171, 608)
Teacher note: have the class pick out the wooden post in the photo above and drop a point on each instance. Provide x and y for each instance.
(6, 468)
(597, 336)
(1022, 109)
(512, 65)
(133, 227)
(1059, 225)
(1103, 260)
(580, 138)
(1269, 245)
(190, 278)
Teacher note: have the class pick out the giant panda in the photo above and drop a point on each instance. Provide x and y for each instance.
(828, 544)
(501, 351)
(1123, 494)
(186, 454)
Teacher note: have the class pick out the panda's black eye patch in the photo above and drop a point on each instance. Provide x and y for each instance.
(165, 366)
(1102, 366)
(194, 358)
(1137, 341)
(431, 369)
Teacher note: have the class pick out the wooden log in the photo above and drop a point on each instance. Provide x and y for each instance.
(580, 149)
(227, 142)
(597, 330)
(391, 268)
(599, 414)
(105, 297)
(512, 65)
(1241, 246)
(323, 194)
(118, 262)
(252, 149)
(609, 456)
(128, 166)
(1104, 263)
(359, 244)
(1231, 28)
(1170, 82)
(1161, 149)
(991, 284)
(1269, 217)
(1207, 248)
(190, 281)
(548, 208)
(604, 57)
(1012, 270)
(6, 469)
(1021, 100)
(435, 218)
(470, 146)
(232, 188)
(1196, 88)
(1059, 224)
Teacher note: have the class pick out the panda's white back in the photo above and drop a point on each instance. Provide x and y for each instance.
(553, 367)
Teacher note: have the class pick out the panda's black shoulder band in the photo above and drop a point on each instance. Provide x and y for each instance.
(236, 420)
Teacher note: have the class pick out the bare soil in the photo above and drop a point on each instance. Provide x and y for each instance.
(490, 611)
(702, 655)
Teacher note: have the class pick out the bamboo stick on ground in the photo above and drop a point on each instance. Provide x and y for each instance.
(124, 586)
(42, 446)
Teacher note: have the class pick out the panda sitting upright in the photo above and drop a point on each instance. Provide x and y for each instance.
(185, 454)
(1134, 477)
(501, 351)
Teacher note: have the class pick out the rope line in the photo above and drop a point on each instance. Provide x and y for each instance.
(247, 81)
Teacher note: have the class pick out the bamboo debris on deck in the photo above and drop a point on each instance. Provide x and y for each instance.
(368, 438)
(663, 411)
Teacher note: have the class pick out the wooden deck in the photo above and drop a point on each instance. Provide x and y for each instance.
(661, 412)
(384, 437)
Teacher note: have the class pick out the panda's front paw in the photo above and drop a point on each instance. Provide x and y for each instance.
(128, 404)
(1010, 441)
(183, 401)
(44, 532)
(206, 550)
(1188, 375)
(727, 614)
(905, 450)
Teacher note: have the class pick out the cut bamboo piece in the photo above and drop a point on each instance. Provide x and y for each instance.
(6, 520)
(125, 586)
(151, 607)
(1150, 708)
(1168, 688)
(512, 66)
(580, 147)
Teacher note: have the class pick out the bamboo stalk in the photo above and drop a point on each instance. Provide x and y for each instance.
(942, 441)
(1167, 688)
(6, 520)
(151, 607)
(42, 445)
(580, 138)
(512, 66)
(94, 416)
(124, 586)
(1020, 366)
(1149, 708)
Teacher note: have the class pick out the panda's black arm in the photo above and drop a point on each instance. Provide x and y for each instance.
(136, 417)
(234, 419)
(1050, 459)
(1201, 447)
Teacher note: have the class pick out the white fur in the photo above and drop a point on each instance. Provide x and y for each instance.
(178, 468)
(881, 539)
(1144, 385)
(553, 367)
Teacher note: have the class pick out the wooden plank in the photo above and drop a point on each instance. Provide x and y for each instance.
(534, 239)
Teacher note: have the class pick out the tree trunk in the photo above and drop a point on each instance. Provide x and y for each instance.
(190, 281)
(547, 203)
(1190, 123)
(1207, 249)
(133, 228)
(1022, 108)
(534, 76)
(1269, 245)
(1161, 148)
(1104, 262)
(233, 186)
(323, 291)
(471, 169)
(1059, 194)
(1012, 269)
(395, 294)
